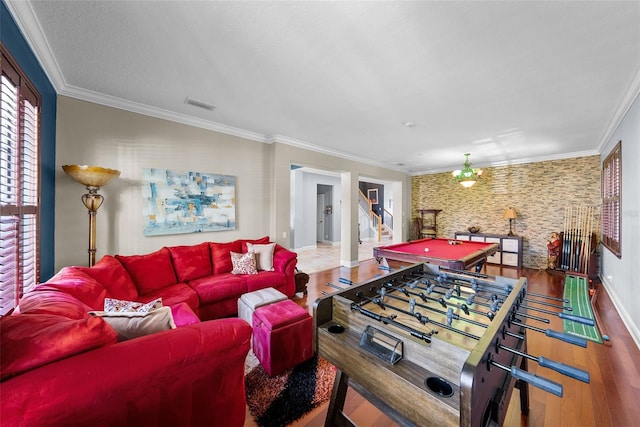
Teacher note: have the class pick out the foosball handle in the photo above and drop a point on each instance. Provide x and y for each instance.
(536, 381)
(566, 338)
(577, 319)
(570, 371)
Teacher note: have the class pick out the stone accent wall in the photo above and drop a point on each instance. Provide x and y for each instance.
(539, 192)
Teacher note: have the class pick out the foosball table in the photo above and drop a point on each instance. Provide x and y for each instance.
(432, 346)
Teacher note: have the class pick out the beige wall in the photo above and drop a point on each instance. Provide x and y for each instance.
(538, 191)
(88, 133)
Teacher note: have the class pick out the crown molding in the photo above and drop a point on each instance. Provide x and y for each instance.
(135, 107)
(621, 111)
(31, 29)
(521, 161)
(322, 150)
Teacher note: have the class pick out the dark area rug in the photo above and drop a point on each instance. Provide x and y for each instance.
(278, 401)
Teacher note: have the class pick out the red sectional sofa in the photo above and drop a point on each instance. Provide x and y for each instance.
(61, 366)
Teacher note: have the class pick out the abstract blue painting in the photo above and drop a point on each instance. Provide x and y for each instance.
(187, 202)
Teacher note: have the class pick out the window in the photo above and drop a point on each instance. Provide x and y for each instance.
(612, 200)
(19, 184)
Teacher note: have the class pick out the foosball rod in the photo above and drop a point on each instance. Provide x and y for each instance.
(570, 371)
(536, 381)
(571, 339)
(441, 301)
(479, 289)
(493, 307)
(507, 288)
(422, 319)
(449, 313)
(391, 321)
(564, 316)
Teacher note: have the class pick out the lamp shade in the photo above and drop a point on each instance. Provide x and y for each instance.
(510, 214)
(91, 176)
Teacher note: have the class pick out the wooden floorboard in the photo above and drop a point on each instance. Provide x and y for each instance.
(612, 398)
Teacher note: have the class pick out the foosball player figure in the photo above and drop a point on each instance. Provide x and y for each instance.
(553, 245)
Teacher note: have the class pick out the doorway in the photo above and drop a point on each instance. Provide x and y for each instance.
(324, 214)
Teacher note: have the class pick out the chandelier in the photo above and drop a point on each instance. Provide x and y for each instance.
(467, 176)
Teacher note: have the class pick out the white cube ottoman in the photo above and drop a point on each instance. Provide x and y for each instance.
(248, 302)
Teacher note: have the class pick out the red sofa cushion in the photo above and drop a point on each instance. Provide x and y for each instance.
(113, 276)
(191, 262)
(150, 272)
(45, 301)
(31, 340)
(219, 287)
(221, 255)
(266, 279)
(174, 294)
(73, 281)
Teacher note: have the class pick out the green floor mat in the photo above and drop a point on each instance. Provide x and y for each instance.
(576, 290)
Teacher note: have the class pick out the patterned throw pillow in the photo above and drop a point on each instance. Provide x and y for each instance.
(111, 305)
(244, 263)
(133, 319)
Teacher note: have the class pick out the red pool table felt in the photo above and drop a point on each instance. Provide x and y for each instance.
(460, 256)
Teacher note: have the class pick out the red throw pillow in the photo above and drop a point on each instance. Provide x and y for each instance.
(31, 340)
(112, 275)
(221, 256)
(150, 272)
(191, 262)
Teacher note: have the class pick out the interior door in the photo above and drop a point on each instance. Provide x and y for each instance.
(320, 218)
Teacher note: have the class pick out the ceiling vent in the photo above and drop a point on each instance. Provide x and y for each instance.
(200, 104)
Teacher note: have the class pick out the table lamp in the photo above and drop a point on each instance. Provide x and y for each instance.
(510, 214)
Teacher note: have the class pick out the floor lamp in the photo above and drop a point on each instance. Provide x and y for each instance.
(92, 177)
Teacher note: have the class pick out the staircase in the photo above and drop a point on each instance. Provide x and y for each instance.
(374, 222)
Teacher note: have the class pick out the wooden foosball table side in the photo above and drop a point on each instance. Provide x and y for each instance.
(479, 392)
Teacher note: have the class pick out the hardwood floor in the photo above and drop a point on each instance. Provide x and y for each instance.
(611, 399)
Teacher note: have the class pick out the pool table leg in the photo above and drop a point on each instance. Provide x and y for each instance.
(479, 266)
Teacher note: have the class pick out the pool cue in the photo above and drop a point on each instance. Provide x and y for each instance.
(590, 235)
(580, 237)
(565, 241)
(587, 243)
(585, 233)
(571, 227)
(585, 238)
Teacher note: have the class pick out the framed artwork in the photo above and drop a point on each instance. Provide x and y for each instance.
(372, 194)
(187, 202)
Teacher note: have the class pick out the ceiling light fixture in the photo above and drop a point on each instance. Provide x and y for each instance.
(467, 176)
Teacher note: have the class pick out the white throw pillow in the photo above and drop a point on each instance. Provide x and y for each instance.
(264, 255)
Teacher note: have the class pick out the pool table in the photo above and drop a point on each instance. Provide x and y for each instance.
(459, 256)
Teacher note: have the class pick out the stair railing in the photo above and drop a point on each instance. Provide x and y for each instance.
(374, 219)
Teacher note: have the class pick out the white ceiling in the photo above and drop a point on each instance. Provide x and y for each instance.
(507, 81)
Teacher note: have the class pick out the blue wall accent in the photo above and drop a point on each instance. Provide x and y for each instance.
(16, 44)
